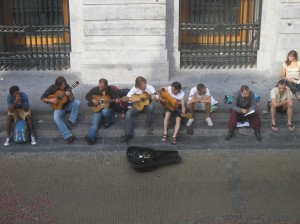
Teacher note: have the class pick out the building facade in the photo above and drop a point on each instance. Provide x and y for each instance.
(121, 39)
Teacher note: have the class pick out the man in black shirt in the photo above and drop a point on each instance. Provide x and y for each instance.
(102, 99)
(61, 98)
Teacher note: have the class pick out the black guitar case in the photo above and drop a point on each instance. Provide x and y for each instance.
(145, 159)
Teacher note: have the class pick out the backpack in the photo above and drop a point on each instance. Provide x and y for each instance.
(21, 132)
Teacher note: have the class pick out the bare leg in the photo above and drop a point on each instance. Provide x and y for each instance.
(166, 122)
(273, 115)
(192, 109)
(207, 109)
(29, 122)
(10, 120)
(177, 126)
(289, 113)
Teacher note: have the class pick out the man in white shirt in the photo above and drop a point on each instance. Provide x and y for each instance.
(200, 99)
(140, 96)
(281, 100)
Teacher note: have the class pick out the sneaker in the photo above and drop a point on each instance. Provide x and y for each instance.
(89, 140)
(7, 142)
(209, 122)
(33, 141)
(126, 138)
(73, 124)
(229, 135)
(190, 121)
(70, 139)
(107, 125)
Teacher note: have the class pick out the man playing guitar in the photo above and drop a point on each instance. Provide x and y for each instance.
(175, 98)
(102, 99)
(61, 88)
(139, 94)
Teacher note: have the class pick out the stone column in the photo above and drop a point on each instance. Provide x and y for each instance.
(76, 30)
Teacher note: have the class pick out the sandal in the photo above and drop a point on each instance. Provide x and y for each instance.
(274, 127)
(164, 138)
(291, 127)
(173, 141)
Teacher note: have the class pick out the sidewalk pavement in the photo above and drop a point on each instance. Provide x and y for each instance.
(219, 185)
(220, 83)
(207, 187)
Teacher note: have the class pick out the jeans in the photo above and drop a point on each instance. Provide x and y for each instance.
(294, 87)
(107, 113)
(128, 129)
(58, 117)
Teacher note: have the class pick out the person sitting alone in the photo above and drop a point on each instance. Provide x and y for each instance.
(281, 101)
(18, 108)
(243, 103)
(200, 99)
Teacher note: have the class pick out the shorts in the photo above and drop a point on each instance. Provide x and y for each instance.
(174, 113)
(278, 109)
(201, 107)
(19, 113)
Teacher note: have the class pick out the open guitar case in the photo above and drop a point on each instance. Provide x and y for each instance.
(144, 159)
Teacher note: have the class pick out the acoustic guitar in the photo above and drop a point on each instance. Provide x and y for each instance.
(171, 103)
(104, 102)
(61, 97)
(144, 99)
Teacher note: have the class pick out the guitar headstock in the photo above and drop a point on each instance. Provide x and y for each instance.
(188, 115)
(75, 84)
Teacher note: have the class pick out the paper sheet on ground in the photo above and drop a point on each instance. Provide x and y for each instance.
(244, 124)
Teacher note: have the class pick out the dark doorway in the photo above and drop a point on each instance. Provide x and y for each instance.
(219, 33)
(34, 33)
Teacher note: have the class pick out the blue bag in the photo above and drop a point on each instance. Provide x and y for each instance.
(257, 97)
(228, 99)
(21, 132)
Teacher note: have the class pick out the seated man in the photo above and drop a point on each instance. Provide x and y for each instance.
(200, 99)
(243, 103)
(140, 103)
(176, 98)
(108, 96)
(18, 108)
(281, 100)
(61, 105)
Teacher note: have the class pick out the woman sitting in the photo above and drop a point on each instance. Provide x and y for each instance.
(291, 73)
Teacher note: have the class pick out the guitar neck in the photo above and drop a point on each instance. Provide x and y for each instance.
(69, 89)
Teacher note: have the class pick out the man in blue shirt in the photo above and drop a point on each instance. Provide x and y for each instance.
(18, 108)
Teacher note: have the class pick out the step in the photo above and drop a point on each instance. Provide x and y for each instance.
(269, 141)
(45, 126)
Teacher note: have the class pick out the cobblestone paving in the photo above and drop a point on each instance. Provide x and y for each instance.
(214, 186)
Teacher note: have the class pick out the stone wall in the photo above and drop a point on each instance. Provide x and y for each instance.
(122, 39)
(289, 28)
(288, 35)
